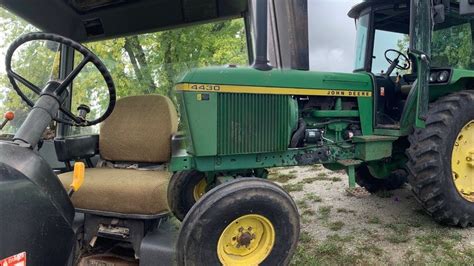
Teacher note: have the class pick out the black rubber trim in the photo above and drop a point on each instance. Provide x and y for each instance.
(124, 215)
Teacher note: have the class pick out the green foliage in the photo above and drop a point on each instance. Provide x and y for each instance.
(141, 64)
(452, 46)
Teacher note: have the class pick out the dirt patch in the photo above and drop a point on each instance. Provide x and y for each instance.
(386, 228)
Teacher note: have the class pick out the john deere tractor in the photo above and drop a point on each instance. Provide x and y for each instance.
(406, 112)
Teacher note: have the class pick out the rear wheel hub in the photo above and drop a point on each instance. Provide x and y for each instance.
(462, 162)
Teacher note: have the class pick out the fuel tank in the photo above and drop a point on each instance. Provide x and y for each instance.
(35, 212)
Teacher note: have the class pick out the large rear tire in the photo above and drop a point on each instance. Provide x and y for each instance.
(441, 174)
(248, 221)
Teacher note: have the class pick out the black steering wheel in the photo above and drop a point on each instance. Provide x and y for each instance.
(75, 120)
(405, 66)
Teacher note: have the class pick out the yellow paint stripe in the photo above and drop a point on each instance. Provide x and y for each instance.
(270, 90)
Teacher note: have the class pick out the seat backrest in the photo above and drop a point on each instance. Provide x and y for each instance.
(139, 130)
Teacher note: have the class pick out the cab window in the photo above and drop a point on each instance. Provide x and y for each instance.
(451, 44)
(383, 42)
(151, 63)
(29, 61)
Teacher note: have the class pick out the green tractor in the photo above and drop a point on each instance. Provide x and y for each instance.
(399, 116)
(405, 113)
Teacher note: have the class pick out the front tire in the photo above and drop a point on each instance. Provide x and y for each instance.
(435, 157)
(248, 221)
(184, 189)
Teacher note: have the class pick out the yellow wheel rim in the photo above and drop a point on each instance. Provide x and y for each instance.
(248, 240)
(462, 162)
(200, 189)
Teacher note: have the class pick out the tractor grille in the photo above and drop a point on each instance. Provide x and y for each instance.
(252, 123)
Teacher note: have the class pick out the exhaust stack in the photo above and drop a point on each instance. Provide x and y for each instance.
(261, 55)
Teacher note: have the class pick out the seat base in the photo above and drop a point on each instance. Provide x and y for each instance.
(121, 192)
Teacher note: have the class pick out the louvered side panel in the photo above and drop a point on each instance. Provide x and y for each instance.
(252, 123)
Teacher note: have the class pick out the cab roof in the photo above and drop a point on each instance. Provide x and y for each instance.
(357, 9)
(88, 20)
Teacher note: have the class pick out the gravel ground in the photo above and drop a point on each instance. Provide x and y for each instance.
(388, 228)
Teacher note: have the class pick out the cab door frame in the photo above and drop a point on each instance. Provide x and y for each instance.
(421, 25)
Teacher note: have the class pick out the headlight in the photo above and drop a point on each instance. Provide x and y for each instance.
(433, 77)
(443, 76)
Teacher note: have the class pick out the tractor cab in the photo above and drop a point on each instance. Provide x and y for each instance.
(85, 166)
(139, 128)
(382, 49)
(387, 35)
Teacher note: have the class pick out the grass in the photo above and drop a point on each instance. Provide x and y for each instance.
(415, 237)
(305, 238)
(370, 248)
(324, 212)
(434, 240)
(440, 246)
(302, 204)
(293, 187)
(344, 210)
(320, 177)
(400, 233)
(336, 226)
(313, 197)
(331, 251)
(282, 178)
(315, 167)
(308, 212)
(374, 220)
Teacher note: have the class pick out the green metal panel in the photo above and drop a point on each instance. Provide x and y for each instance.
(335, 113)
(224, 163)
(252, 123)
(202, 122)
(371, 148)
(245, 76)
(366, 109)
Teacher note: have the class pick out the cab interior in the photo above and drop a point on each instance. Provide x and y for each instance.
(383, 35)
(127, 156)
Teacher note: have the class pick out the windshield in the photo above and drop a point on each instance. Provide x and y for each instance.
(362, 24)
(152, 63)
(140, 64)
(11, 27)
(451, 44)
(384, 41)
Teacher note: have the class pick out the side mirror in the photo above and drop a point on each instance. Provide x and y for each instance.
(466, 7)
(439, 14)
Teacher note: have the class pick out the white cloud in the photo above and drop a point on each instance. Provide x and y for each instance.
(331, 35)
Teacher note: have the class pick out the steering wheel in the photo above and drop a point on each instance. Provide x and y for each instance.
(405, 58)
(75, 120)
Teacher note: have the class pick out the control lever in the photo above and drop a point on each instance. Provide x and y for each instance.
(8, 117)
(392, 67)
(83, 111)
(77, 177)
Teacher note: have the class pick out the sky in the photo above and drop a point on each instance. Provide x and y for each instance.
(331, 35)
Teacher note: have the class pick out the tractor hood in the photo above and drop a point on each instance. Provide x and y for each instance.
(277, 81)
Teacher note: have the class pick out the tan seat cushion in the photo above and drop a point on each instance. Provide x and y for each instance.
(139, 130)
(121, 191)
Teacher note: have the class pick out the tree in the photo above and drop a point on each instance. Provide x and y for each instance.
(141, 64)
